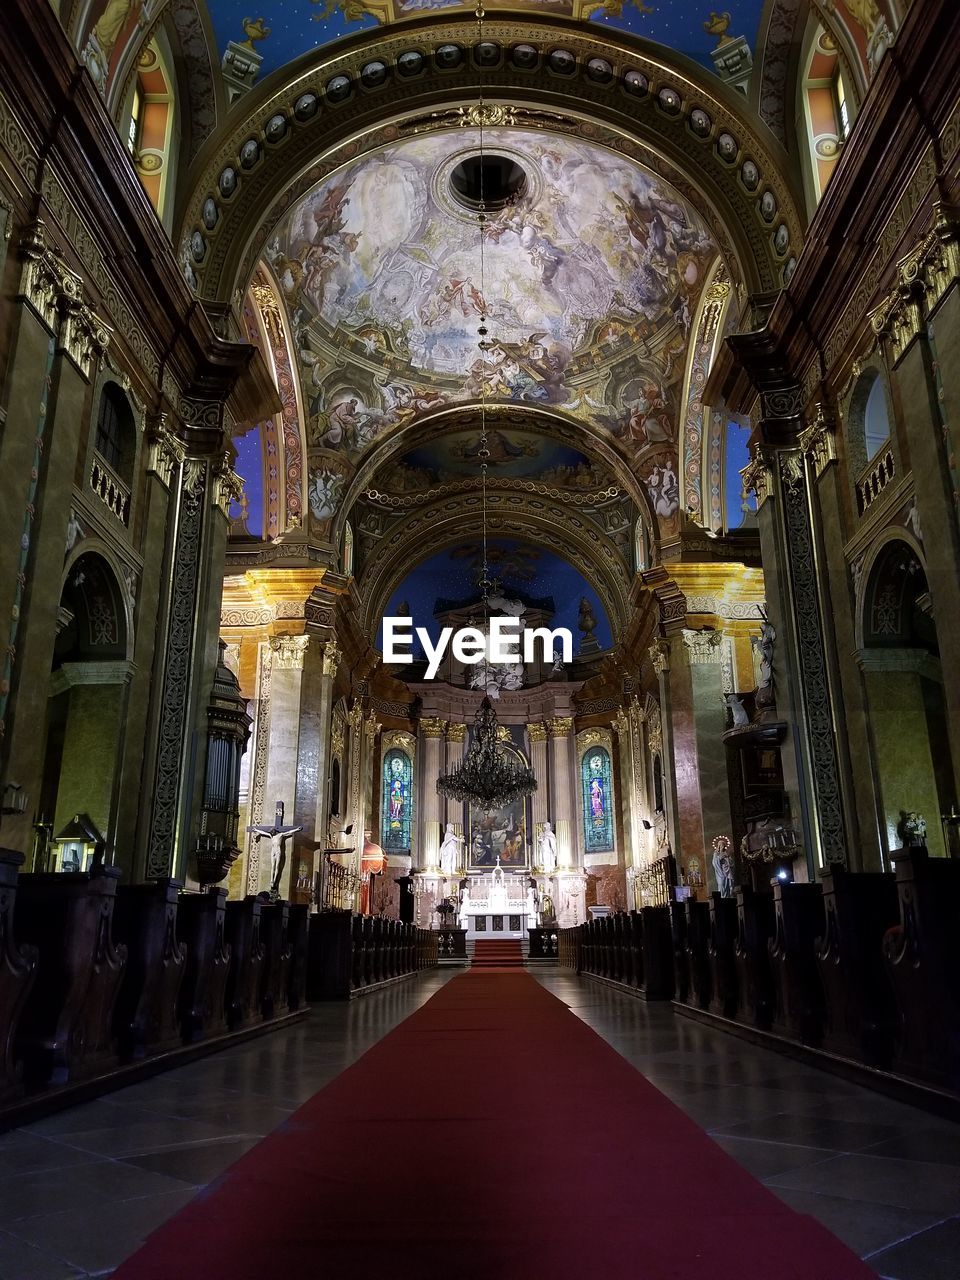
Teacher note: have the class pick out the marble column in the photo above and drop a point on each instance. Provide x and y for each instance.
(562, 762)
(630, 817)
(431, 730)
(283, 751)
(185, 659)
(709, 662)
(330, 658)
(456, 736)
(540, 800)
(665, 747)
(802, 662)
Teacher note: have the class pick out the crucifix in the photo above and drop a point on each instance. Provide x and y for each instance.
(278, 836)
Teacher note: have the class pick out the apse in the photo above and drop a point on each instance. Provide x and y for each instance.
(534, 575)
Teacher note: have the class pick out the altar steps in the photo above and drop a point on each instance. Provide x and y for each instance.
(490, 954)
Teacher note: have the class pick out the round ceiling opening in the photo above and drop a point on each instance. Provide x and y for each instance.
(491, 180)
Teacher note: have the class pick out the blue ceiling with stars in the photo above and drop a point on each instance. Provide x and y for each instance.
(295, 27)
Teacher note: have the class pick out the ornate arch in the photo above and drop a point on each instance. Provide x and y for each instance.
(626, 94)
(444, 523)
(580, 434)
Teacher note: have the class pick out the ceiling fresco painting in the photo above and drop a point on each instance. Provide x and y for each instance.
(591, 276)
(524, 571)
(287, 28)
(513, 454)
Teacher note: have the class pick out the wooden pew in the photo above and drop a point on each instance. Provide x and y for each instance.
(923, 959)
(800, 926)
(860, 1009)
(246, 961)
(201, 927)
(275, 971)
(18, 970)
(657, 953)
(724, 995)
(145, 921)
(751, 956)
(698, 953)
(299, 941)
(66, 1028)
(681, 955)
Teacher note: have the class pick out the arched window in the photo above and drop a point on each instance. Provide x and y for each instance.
(597, 800)
(335, 789)
(396, 809)
(826, 109)
(115, 451)
(876, 420)
(151, 125)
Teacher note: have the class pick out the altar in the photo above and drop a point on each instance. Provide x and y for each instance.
(499, 904)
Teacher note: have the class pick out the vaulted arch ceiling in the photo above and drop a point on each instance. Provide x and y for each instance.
(657, 109)
(453, 519)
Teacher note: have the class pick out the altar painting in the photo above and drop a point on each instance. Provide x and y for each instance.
(502, 833)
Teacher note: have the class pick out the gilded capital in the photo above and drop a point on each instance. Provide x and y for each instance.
(660, 656)
(537, 731)
(371, 726)
(817, 442)
(289, 651)
(164, 450)
(227, 485)
(431, 726)
(704, 646)
(332, 654)
(559, 726)
(456, 732)
(757, 476)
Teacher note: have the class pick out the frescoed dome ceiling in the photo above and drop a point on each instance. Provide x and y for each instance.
(284, 29)
(590, 279)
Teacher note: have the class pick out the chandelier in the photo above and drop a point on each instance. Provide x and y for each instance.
(486, 777)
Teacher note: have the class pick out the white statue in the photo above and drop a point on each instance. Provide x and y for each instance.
(465, 907)
(548, 850)
(531, 907)
(450, 851)
(737, 709)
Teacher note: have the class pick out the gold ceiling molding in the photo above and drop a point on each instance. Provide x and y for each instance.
(433, 529)
(622, 93)
(578, 434)
(515, 484)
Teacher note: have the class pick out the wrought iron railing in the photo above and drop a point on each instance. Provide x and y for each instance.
(339, 886)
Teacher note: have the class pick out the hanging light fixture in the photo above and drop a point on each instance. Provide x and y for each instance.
(486, 777)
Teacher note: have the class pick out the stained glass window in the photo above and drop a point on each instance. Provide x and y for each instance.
(597, 800)
(396, 810)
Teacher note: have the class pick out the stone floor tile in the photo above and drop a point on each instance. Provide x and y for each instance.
(932, 1254)
(905, 1184)
(22, 1261)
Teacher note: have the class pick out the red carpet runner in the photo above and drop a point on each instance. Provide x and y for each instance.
(491, 1136)
(507, 954)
